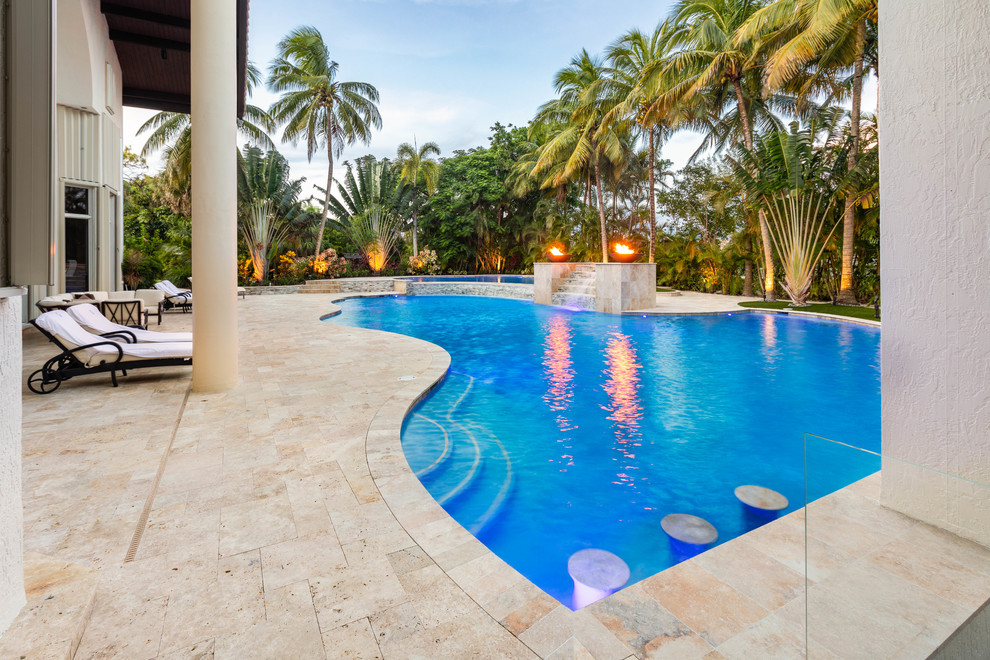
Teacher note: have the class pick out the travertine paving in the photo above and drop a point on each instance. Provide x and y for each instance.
(286, 524)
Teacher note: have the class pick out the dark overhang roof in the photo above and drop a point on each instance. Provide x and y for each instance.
(151, 38)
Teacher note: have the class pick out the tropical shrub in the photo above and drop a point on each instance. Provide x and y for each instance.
(426, 263)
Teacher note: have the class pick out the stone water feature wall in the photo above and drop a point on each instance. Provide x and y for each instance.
(618, 287)
(493, 290)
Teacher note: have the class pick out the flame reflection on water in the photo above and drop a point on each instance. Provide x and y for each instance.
(559, 373)
(622, 383)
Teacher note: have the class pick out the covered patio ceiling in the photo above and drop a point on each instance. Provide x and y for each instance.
(151, 38)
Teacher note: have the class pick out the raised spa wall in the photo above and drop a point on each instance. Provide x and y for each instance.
(618, 287)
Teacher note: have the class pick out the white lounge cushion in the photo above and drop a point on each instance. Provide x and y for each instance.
(73, 335)
(89, 316)
(151, 297)
(120, 295)
(172, 291)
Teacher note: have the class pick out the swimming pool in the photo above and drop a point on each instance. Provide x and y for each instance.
(491, 279)
(557, 431)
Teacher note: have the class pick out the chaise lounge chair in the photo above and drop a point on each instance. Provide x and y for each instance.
(90, 319)
(174, 296)
(85, 353)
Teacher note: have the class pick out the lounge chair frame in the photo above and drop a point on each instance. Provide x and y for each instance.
(66, 365)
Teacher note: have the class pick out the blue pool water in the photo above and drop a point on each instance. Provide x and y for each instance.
(492, 279)
(570, 430)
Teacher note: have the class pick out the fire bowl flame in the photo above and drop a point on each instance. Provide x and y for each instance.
(623, 253)
(557, 255)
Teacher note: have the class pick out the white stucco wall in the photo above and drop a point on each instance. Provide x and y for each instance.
(11, 516)
(83, 49)
(935, 250)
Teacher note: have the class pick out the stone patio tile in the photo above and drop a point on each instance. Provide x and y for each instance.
(409, 559)
(707, 605)
(192, 471)
(298, 559)
(309, 511)
(376, 548)
(785, 541)
(124, 626)
(233, 602)
(355, 592)
(649, 629)
(768, 638)
(363, 521)
(394, 625)
(352, 641)
(290, 629)
(255, 524)
(435, 596)
(549, 632)
(473, 635)
(972, 555)
(534, 608)
(571, 649)
(599, 640)
(197, 651)
(752, 573)
(936, 573)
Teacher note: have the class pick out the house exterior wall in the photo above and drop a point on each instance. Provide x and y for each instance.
(88, 138)
(935, 186)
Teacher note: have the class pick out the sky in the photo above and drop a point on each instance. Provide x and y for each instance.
(446, 70)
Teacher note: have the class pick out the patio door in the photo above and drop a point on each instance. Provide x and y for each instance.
(79, 247)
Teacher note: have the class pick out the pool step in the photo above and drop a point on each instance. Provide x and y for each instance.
(492, 502)
(578, 289)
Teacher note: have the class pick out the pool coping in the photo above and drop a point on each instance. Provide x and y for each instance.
(614, 626)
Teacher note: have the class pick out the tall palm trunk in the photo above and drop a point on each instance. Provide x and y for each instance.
(748, 271)
(847, 295)
(653, 195)
(601, 211)
(326, 201)
(415, 214)
(768, 287)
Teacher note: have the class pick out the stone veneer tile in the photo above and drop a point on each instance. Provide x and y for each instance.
(643, 624)
(753, 573)
(707, 605)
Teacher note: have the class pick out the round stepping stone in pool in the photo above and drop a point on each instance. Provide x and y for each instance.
(689, 529)
(761, 499)
(596, 574)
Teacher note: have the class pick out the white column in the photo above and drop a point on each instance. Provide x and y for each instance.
(11, 516)
(214, 194)
(935, 192)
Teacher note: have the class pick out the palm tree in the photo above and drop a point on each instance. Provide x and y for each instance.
(581, 139)
(829, 35)
(172, 132)
(634, 57)
(713, 64)
(268, 204)
(415, 164)
(366, 208)
(316, 106)
(798, 184)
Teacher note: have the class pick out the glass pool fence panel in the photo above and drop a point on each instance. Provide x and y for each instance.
(897, 563)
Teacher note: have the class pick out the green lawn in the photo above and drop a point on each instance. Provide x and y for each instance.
(838, 310)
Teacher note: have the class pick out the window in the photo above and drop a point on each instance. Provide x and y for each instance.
(78, 221)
